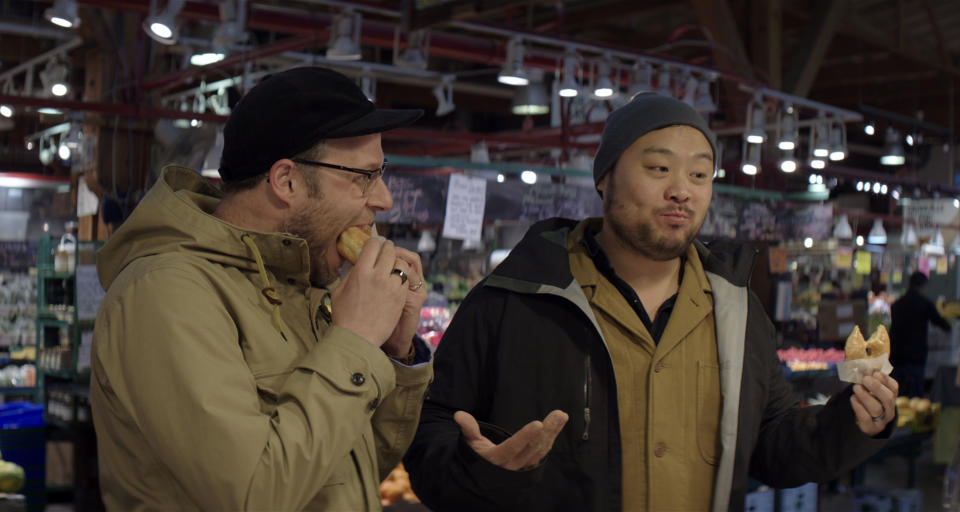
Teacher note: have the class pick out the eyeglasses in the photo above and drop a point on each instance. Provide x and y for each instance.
(371, 175)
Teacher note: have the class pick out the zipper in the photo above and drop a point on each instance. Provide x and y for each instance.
(586, 398)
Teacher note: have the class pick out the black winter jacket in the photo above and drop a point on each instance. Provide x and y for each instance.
(525, 342)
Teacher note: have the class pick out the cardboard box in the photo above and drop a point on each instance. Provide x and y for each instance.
(59, 463)
(835, 320)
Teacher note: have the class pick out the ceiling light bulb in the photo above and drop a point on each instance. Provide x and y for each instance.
(821, 138)
(869, 129)
(893, 150)
(788, 128)
(817, 163)
(161, 27)
(859, 186)
(513, 72)
(859, 240)
(500, 178)
(63, 152)
(877, 234)
(808, 242)
(756, 117)
(528, 177)
(344, 43)
(59, 89)
(883, 189)
(788, 164)
(569, 87)
(909, 140)
(63, 13)
(838, 141)
(205, 59)
(6, 111)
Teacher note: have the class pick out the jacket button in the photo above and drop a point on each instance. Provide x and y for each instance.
(358, 379)
(291, 281)
(660, 450)
(657, 367)
(373, 403)
(286, 241)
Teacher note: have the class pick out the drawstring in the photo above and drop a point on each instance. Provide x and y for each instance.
(268, 291)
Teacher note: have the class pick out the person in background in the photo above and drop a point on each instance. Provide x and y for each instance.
(909, 318)
(652, 364)
(232, 368)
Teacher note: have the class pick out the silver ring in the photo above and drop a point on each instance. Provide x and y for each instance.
(883, 414)
(402, 274)
(417, 286)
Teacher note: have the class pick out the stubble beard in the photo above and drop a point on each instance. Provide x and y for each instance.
(642, 237)
(312, 226)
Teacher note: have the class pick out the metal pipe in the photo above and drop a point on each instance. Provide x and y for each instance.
(23, 29)
(26, 65)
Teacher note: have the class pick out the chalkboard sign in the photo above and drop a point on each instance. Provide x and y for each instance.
(516, 201)
(417, 199)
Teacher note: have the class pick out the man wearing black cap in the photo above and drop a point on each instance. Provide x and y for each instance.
(653, 365)
(231, 366)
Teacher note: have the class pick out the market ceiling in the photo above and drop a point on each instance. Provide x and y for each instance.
(893, 61)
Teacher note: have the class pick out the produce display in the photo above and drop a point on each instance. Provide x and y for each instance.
(800, 360)
(917, 413)
(11, 477)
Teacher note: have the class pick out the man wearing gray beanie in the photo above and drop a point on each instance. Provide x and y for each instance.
(652, 363)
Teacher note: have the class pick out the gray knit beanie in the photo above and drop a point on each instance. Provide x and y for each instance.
(644, 113)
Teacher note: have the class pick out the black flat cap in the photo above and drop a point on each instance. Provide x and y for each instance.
(291, 111)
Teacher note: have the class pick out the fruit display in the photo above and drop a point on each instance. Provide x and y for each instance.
(396, 488)
(11, 477)
(919, 414)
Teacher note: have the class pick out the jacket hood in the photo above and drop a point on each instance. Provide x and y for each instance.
(537, 260)
(176, 215)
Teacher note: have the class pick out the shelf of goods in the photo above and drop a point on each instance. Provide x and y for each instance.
(68, 294)
(18, 295)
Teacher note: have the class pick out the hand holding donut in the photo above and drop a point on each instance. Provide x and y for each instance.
(405, 275)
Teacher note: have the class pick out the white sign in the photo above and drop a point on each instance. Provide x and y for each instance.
(87, 202)
(466, 197)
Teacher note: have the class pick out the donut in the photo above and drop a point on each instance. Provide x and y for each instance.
(879, 342)
(856, 347)
(351, 241)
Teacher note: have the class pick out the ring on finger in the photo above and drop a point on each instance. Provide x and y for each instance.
(883, 414)
(417, 286)
(402, 274)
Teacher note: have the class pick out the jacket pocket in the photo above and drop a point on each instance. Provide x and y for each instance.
(709, 401)
(269, 385)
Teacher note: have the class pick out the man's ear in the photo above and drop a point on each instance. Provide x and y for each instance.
(284, 179)
(602, 185)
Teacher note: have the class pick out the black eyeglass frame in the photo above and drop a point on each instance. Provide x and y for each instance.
(372, 175)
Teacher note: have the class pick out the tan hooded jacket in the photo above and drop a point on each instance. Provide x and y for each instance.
(206, 396)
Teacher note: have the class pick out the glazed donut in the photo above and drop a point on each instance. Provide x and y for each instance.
(856, 347)
(351, 241)
(879, 342)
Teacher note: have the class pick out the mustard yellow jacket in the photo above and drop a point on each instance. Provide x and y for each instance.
(200, 403)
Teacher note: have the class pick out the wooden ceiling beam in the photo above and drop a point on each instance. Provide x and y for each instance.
(729, 52)
(813, 46)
